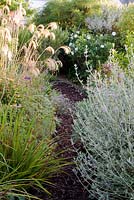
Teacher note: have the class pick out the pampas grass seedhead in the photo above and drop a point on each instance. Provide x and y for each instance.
(7, 35)
(66, 49)
(52, 36)
(46, 33)
(32, 28)
(4, 22)
(32, 44)
(52, 26)
(51, 64)
(40, 27)
(36, 35)
(6, 10)
(50, 50)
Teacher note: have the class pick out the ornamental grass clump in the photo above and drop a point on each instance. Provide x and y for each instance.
(22, 59)
(26, 162)
(28, 157)
(21, 82)
(23, 54)
(104, 124)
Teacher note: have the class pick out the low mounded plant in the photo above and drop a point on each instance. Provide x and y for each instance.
(36, 99)
(104, 126)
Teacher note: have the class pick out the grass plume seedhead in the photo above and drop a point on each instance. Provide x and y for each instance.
(52, 26)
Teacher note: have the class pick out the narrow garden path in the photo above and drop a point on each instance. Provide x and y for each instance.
(67, 186)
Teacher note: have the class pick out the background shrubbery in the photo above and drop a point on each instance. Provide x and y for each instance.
(66, 13)
(104, 23)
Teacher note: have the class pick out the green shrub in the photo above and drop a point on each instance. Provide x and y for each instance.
(104, 125)
(36, 100)
(67, 13)
(34, 96)
(25, 160)
(89, 49)
(9, 93)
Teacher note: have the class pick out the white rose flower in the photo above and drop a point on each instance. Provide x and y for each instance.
(76, 49)
(70, 44)
(102, 46)
(75, 36)
(113, 33)
(88, 37)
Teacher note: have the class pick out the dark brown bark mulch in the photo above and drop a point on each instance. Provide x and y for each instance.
(71, 91)
(67, 186)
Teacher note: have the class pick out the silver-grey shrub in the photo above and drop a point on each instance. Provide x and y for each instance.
(106, 21)
(104, 124)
